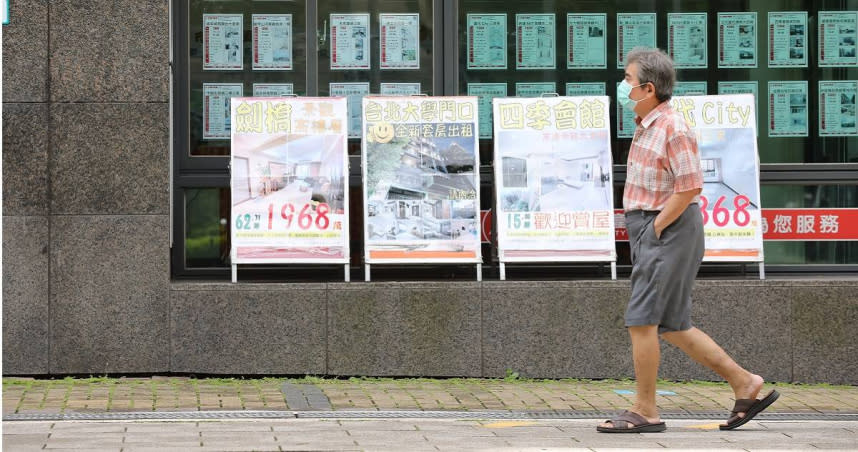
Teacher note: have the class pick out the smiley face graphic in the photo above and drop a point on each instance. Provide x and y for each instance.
(381, 132)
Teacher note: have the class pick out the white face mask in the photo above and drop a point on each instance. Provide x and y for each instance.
(624, 90)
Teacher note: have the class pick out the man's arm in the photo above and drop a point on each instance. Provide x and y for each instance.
(674, 207)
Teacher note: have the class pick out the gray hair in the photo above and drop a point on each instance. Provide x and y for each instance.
(654, 66)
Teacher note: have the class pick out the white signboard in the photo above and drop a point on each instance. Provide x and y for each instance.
(289, 180)
(216, 116)
(349, 41)
(354, 92)
(399, 41)
(223, 48)
(272, 42)
(421, 179)
(726, 135)
(553, 182)
(272, 89)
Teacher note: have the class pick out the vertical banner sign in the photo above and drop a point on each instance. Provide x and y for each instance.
(272, 89)
(634, 30)
(421, 180)
(216, 109)
(686, 40)
(837, 108)
(272, 42)
(751, 88)
(730, 202)
(485, 92)
(586, 45)
(534, 41)
(535, 89)
(223, 48)
(399, 41)
(553, 181)
(486, 41)
(585, 89)
(737, 40)
(289, 180)
(788, 109)
(689, 89)
(788, 39)
(349, 41)
(399, 89)
(354, 92)
(838, 32)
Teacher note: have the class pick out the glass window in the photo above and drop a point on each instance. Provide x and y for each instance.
(809, 197)
(206, 227)
(493, 59)
(228, 56)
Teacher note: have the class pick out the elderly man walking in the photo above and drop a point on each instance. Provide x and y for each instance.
(663, 185)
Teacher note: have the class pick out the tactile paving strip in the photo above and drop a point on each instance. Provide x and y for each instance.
(409, 414)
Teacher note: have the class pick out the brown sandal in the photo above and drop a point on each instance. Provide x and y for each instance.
(629, 422)
(751, 408)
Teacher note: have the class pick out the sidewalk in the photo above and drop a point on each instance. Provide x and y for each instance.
(177, 394)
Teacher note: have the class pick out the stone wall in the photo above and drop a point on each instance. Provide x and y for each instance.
(86, 279)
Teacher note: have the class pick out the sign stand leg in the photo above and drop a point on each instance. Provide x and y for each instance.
(348, 273)
(366, 273)
(479, 272)
(234, 273)
(762, 271)
(502, 271)
(614, 271)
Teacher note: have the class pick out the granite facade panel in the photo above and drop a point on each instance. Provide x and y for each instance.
(25, 295)
(110, 159)
(109, 51)
(110, 286)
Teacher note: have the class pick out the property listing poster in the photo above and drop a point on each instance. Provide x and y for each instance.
(788, 109)
(399, 41)
(586, 43)
(686, 40)
(272, 89)
(349, 41)
(272, 42)
(585, 89)
(354, 92)
(553, 182)
(730, 202)
(751, 88)
(634, 30)
(837, 108)
(486, 41)
(535, 89)
(788, 39)
(625, 121)
(689, 89)
(216, 112)
(289, 180)
(535, 44)
(421, 179)
(838, 31)
(737, 40)
(223, 48)
(485, 92)
(399, 89)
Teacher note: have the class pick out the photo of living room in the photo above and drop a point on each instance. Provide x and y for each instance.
(290, 169)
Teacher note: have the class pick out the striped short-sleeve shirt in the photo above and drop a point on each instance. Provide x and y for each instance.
(663, 160)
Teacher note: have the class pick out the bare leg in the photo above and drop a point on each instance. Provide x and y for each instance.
(646, 354)
(701, 348)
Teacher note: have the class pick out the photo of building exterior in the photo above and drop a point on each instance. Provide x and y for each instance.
(116, 202)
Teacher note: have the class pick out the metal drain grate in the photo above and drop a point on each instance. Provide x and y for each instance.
(409, 414)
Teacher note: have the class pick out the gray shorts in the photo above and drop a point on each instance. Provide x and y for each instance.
(663, 270)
